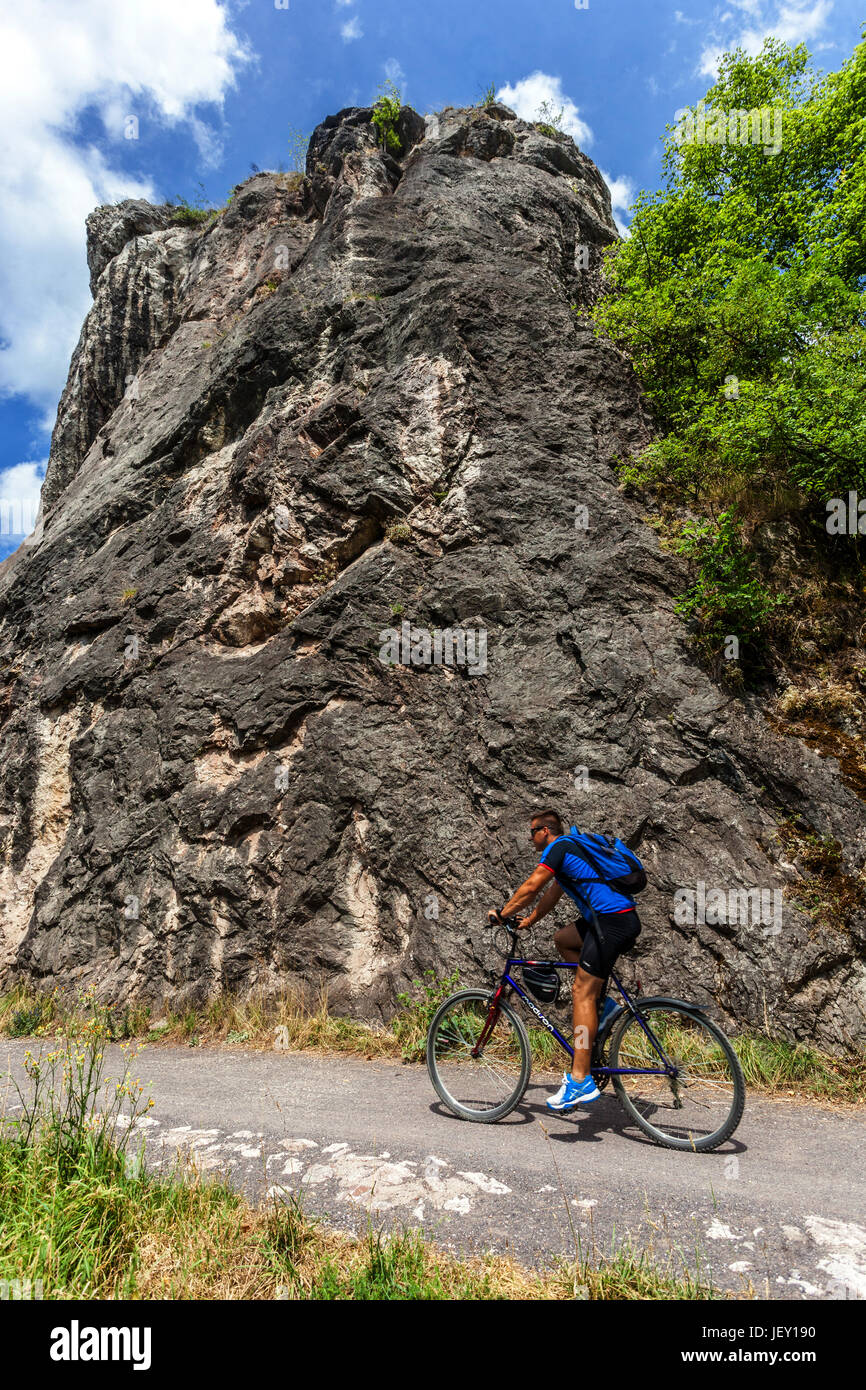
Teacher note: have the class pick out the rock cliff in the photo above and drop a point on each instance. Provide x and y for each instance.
(333, 584)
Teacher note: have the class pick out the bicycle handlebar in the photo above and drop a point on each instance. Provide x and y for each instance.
(509, 925)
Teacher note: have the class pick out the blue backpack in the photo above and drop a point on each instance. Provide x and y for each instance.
(613, 861)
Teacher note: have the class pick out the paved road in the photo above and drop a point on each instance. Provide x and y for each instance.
(780, 1207)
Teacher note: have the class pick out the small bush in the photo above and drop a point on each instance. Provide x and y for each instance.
(326, 573)
(549, 120)
(197, 212)
(833, 898)
(410, 1026)
(386, 113)
(398, 531)
(187, 216)
(25, 1022)
(726, 597)
(298, 146)
(71, 1105)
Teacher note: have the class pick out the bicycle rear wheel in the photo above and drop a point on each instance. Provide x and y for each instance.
(487, 1086)
(700, 1107)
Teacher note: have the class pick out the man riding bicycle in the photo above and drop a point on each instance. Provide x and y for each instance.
(561, 869)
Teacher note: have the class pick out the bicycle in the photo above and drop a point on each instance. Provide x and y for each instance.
(672, 1068)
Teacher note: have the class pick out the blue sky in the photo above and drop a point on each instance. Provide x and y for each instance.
(214, 87)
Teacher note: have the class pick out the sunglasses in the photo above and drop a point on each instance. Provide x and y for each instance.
(535, 830)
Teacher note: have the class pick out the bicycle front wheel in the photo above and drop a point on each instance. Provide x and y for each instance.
(478, 1056)
(700, 1106)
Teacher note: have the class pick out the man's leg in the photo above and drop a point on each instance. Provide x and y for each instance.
(584, 999)
(585, 1005)
(569, 942)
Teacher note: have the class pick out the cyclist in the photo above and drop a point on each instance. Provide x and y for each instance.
(559, 871)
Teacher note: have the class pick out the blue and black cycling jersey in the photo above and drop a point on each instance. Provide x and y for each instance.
(563, 859)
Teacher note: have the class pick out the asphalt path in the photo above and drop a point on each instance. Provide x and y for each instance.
(779, 1211)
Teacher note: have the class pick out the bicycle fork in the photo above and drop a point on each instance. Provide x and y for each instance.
(489, 1024)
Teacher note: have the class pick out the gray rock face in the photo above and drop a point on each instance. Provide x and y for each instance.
(109, 229)
(363, 400)
(136, 292)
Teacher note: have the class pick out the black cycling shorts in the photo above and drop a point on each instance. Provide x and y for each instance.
(619, 930)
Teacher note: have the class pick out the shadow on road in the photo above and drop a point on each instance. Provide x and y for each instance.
(586, 1125)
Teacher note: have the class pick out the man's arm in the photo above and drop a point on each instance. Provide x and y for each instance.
(529, 890)
(546, 903)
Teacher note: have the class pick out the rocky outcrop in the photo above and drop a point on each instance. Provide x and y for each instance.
(354, 412)
(137, 260)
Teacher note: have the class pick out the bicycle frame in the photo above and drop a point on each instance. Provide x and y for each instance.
(506, 982)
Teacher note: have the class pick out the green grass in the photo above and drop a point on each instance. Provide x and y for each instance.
(81, 1216)
(98, 1231)
(774, 1065)
(188, 216)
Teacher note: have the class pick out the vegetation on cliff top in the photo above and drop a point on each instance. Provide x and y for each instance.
(739, 297)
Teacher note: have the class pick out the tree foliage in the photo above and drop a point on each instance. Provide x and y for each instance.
(386, 113)
(739, 295)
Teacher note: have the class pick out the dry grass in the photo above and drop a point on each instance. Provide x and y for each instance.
(294, 1022)
(227, 1249)
(795, 716)
(832, 897)
(830, 700)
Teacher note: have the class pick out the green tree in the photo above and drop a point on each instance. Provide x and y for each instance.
(386, 113)
(740, 293)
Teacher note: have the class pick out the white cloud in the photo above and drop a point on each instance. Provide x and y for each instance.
(395, 74)
(792, 21)
(526, 96)
(158, 62)
(352, 30)
(621, 190)
(19, 497)
(341, 4)
(622, 193)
